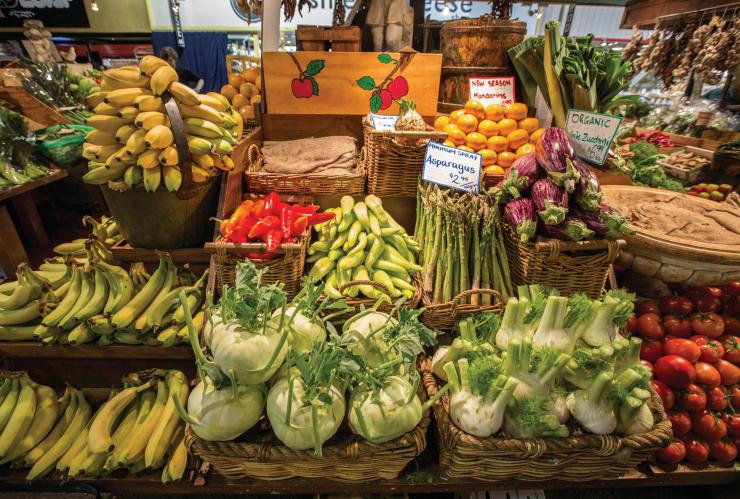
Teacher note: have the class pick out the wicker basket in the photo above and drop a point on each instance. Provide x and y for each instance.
(346, 457)
(579, 457)
(260, 181)
(358, 303)
(445, 316)
(287, 269)
(571, 267)
(393, 168)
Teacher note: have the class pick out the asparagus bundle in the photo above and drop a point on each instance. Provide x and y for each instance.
(461, 244)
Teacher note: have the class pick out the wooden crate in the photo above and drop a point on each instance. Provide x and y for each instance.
(30, 107)
(336, 39)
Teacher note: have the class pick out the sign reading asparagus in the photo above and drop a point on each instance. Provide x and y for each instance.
(492, 90)
(452, 167)
(592, 134)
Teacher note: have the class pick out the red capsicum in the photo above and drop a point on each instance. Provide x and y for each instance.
(273, 204)
(319, 218)
(272, 239)
(299, 226)
(264, 225)
(287, 217)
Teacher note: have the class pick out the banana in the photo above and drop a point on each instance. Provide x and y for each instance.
(122, 134)
(75, 465)
(152, 178)
(150, 63)
(105, 109)
(132, 176)
(22, 294)
(75, 451)
(216, 101)
(199, 146)
(183, 94)
(121, 287)
(121, 158)
(239, 128)
(162, 78)
(122, 79)
(40, 331)
(133, 448)
(142, 323)
(21, 419)
(135, 144)
(9, 402)
(81, 334)
(204, 160)
(228, 122)
(98, 299)
(93, 464)
(17, 333)
(47, 410)
(127, 429)
(229, 138)
(168, 337)
(149, 103)
(125, 96)
(168, 156)
(46, 463)
(172, 178)
(108, 124)
(5, 389)
(149, 119)
(127, 422)
(67, 409)
(90, 151)
(95, 98)
(99, 438)
(198, 320)
(172, 298)
(148, 159)
(199, 174)
(92, 165)
(221, 147)
(194, 300)
(106, 152)
(175, 467)
(68, 302)
(159, 137)
(100, 325)
(203, 128)
(22, 315)
(127, 338)
(159, 441)
(200, 111)
(100, 176)
(128, 113)
(70, 247)
(86, 292)
(126, 316)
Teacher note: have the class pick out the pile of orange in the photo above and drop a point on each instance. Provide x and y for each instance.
(500, 134)
(243, 91)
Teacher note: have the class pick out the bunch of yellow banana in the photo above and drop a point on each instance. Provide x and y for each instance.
(137, 428)
(133, 141)
(100, 302)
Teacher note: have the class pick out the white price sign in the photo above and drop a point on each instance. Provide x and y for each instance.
(592, 134)
(383, 122)
(492, 90)
(452, 167)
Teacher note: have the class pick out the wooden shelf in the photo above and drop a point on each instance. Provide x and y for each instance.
(56, 174)
(35, 350)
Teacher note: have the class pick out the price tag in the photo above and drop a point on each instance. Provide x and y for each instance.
(452, 167)
(492, 90)
(592, 134)
(383, 122)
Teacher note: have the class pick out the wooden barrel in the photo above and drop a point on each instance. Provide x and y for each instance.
(475, 47)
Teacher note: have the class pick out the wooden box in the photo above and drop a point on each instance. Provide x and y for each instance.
(29, 106)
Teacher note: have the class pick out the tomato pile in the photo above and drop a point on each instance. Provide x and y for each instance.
(690, 342)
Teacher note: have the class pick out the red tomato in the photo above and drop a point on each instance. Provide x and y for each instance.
(718, 398)
(675, 371)
(708, 426)
(728, 371)
(683, 348)
(731, 345)
(709, 324)
(711, 350)
(723, 451)
(735, 397)
(676, 305)
(711, 291)
(733, 424)
(731, 289)
(648, 364)
(706, 374)
(632, 324)
(679, 327)
(732, 306)
(697, 450)
(707, 303)
(651, 350)
(664, 392)
(693, 398)
(680, 421)
(647, 307)
(732, 325)
(674, 453)
(648, 325)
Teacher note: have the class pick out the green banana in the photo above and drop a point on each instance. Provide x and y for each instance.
(86, 292)
(128, 314)
(29, 312)
(68, 302)
(141, 323)
(98, 299)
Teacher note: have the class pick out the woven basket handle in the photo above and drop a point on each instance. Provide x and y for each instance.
(553, 247)
(185, 160)
(497, 297)
(253, 157)
(365, 282)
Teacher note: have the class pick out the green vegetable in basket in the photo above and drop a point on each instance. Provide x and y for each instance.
(592, 408)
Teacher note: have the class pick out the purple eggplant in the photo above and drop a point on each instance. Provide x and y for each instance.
(550, 200)
(571, 229)
(555, 155)
(615, 222)
(593, 220)
(524, 172)
(588, 193)
(520, 214)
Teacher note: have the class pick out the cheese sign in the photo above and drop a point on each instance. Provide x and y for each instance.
(492, 90)
(383, 122)
(592, 134)
(452, 167)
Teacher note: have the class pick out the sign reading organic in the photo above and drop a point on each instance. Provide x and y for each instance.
(53, 13)
(492, 90)
(452, 167)
(384, 122)
(592, 134)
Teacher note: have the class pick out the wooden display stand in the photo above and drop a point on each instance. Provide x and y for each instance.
(29, 106)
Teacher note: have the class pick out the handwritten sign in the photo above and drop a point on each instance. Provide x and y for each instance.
(592, 134)
(452, 167)
(492, 90)
(383, 122)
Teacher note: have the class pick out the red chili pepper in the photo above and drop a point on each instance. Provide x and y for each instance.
(273, 204)
(263, 225)
(272, 239)
(318, 218)
(240, 212)
(258, 209)
(287, 216)
(299, 225)
(305, 210)
(239, 234)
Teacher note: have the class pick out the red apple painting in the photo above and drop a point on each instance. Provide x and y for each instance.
(306, 86)
(391, 89)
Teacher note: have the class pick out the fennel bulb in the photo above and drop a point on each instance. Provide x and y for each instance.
(635, 417)
(512, 324)
(592, 408)
(551, 331)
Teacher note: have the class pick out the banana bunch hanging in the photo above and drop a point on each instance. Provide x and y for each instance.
(133, 141)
